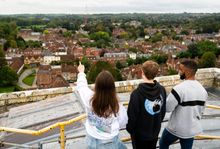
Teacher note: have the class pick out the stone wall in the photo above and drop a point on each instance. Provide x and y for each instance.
(209, 77)
(216, 82)
(7, 99)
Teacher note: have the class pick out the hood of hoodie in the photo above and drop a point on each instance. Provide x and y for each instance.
(149, 90)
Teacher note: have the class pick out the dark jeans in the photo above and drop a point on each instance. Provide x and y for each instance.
(167, 139)
(140, 144)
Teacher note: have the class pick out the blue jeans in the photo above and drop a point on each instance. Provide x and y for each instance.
(167, 139)
(114, 143)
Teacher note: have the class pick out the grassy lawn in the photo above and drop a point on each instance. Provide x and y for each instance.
(29, 79)
(7, 89)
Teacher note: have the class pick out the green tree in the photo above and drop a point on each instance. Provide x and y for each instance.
(208, 60)
(21, 43)
(7, 75)
(119, 65)
(184, 54)
(172, 71)
(6, 45)
(102, 65)
(102, 43)
(13, 44)
(131, 49)
(117, 75)
(217, 52)
(165, 32)
(157, 37)
(100, 27)
(138, 60)
(67, 34)
(86, 63)
(8, 31)
(184, 32)
(205, 46)
(159, 58)
(124, 35)
(10, 79)
(100, 35)
(193, 50)
(45, 32)
(33, 44)
(130, 61)
(102, 39)
(2, 57)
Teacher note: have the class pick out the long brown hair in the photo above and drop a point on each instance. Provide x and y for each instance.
(105, 101)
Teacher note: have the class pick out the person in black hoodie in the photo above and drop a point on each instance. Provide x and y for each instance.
(146, 109)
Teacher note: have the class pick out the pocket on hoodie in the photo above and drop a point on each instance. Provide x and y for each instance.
(196, 115)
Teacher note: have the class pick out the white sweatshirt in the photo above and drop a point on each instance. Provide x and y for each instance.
(186, 102)
(99, 127)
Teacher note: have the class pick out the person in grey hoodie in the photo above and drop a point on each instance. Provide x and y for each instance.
(186, 102)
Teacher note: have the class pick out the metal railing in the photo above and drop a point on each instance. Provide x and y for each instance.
(46, 129)
(62, 125)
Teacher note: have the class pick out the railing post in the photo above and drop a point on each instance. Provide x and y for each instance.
(1, 144)
(40, 145)
(6, 105)
(62, 137)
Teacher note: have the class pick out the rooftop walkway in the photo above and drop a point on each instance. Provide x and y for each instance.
(62, 104)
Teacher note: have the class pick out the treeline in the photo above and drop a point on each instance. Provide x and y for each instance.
(101, 25)
(9, 33)
(201, 22)
(206, 51)
(8, 77)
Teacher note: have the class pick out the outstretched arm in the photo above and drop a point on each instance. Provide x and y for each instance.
(82, 86)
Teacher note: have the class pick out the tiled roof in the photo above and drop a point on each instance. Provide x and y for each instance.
(44, 67)
(59, 81)
(17, 62)
(69, 68)
(49, 78)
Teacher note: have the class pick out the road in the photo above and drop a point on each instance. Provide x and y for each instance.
(24, 75)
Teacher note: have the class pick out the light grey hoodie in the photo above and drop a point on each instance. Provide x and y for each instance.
(186, 102)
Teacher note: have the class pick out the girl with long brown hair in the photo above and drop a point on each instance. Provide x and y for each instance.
(105, 116)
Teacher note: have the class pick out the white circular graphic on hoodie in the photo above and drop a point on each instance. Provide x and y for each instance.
(153, 107)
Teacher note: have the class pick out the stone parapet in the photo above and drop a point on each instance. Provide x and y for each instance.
(216, 82)
(209, 77)
(7, 99)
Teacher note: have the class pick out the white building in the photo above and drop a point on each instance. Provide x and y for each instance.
(48, 57)
(132, 55)
(112, 55)
(61, 51)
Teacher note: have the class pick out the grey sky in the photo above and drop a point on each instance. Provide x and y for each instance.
(107, 6)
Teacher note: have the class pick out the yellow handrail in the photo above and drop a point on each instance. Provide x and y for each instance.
(213, 107)
(46, 129)
(198, 137)
(206, 137)
(64, 123)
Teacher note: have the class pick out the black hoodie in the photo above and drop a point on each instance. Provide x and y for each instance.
(146, 111)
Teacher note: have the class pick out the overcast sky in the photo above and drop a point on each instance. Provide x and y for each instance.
(107, 6)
